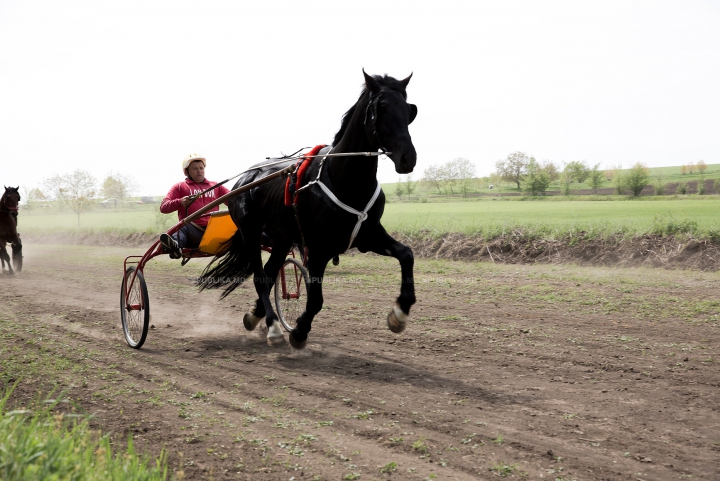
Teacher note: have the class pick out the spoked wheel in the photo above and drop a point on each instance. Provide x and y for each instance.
(134, 309)
(291, 292)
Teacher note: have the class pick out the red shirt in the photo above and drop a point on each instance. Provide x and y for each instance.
(172, 201)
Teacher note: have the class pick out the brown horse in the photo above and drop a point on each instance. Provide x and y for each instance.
(8, 228)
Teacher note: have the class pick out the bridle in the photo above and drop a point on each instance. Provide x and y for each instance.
(371, 117)
(7, 208)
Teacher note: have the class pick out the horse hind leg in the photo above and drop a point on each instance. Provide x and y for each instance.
(275, 336)
(252, 319)
(6, 259)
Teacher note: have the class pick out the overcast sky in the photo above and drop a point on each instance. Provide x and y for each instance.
(134, 86)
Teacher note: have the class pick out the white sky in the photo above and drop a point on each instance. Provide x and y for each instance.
(134, 86)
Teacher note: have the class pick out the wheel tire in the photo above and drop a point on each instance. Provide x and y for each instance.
(135, 322)
(291, 292)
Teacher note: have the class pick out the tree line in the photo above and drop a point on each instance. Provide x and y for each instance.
(79, 190)
(534, 177)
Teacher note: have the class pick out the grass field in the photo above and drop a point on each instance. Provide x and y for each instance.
(487, 217)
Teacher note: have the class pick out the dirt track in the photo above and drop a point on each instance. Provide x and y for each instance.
(540, 371)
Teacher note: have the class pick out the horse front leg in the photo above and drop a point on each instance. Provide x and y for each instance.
(316, 270)
(382, 243)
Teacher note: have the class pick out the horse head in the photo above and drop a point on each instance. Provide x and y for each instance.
(11, 197)
(387, 117)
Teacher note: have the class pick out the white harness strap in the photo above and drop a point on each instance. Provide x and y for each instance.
(362, 216)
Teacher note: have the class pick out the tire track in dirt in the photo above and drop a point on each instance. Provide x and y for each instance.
(452, 388)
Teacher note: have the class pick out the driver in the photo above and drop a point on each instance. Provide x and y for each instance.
(179, 199)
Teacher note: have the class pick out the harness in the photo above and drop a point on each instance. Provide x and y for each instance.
(291, 192)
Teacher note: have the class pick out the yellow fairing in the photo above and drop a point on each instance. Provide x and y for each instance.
(220, 228)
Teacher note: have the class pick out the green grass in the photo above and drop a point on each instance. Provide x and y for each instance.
(490, 217)
(37, 443)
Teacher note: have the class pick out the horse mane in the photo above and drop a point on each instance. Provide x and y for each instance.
(385, 81)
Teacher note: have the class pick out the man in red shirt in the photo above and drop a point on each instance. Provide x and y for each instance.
(179, 199)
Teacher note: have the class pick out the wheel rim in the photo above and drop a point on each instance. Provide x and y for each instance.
(290, 291)
(134, 318)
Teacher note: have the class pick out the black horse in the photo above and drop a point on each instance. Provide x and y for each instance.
(8, 228)
(378, 121)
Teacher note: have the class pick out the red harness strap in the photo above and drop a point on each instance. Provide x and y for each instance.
(302, 164)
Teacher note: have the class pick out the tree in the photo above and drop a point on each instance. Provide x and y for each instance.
(537, 180)
(701, 183)
(460, 172)
(597, 177)
(565, 182)
(409, 185)
(578, 171)
(399, 188)
(691, 168)
(637, 178)
(701, 166)
(32, 195)
(76, 190)
(513, 168)
(683, 169)
(550, 169)
(659, 183)
(618, 180)
(118, 186)
(432, 178)
(455, 173)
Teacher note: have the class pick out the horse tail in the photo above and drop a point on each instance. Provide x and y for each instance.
(228, 270)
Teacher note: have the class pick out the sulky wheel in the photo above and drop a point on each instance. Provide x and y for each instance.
(290, 292)
(135, 309)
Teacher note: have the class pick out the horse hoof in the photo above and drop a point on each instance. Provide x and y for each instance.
(396, 320)
(250, 321)
(275, 336)
(297, 344)
(262, 332)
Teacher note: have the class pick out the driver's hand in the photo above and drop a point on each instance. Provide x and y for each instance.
(185, 201)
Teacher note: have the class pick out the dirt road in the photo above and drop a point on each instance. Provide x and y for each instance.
(542, 372)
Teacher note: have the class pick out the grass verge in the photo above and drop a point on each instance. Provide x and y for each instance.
(38, 443)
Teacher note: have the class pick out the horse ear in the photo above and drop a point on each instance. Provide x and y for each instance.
(17, 188)
(413, 112)
(371, 83)
(406, 81)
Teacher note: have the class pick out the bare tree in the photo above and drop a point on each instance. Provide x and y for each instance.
(513, 168)
(118, 186)
(77, 190)
(432, 178)
(460, 172)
